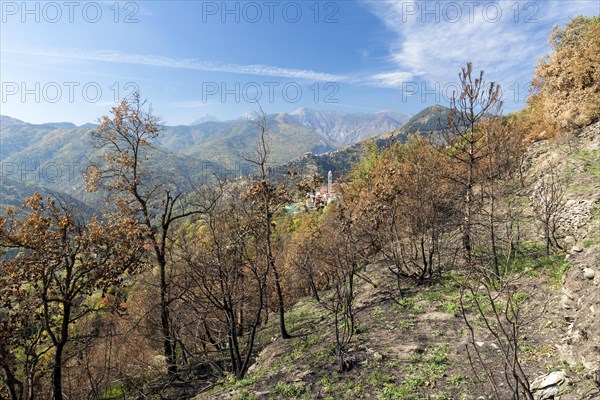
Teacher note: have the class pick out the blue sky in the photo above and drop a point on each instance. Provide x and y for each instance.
(70, 61)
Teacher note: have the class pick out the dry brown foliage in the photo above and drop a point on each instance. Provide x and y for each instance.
(566, 86)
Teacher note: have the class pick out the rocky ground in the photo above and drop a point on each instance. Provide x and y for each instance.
(410, 348)
(579, 342)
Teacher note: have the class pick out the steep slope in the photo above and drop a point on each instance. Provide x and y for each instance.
(432, 118)
(339, 162)
(343, 129)
(413, 346)
(225, 142)
(16, 135)
(49, 158)
(12, 194)
(574, 160)
(44, 157)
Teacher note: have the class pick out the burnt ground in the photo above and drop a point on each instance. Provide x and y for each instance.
(415, 346)
(408, 347)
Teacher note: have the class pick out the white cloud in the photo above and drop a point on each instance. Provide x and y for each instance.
(389, 79)
(505, 39)
(191, 64)
(436, 49)
(386, 79)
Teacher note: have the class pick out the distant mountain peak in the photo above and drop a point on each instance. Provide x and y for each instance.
(204, 118)
(64, 125)
(6, 120)
(429, 119)
(344, 128)
(299, 111)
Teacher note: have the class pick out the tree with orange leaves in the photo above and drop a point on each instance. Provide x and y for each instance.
(54, 262)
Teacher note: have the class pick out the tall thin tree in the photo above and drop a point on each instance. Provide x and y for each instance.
(126, 171)
(476, 102)
(268, 198)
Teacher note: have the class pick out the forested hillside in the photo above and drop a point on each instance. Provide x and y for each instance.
(51, 157)
(458, 258)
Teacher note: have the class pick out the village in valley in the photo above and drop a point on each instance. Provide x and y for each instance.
(322, 195)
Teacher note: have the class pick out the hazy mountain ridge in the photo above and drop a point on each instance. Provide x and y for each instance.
(225, 142)
(340, 161)
(13, 192)
(292, 135)
(46, 158)
(343, 128)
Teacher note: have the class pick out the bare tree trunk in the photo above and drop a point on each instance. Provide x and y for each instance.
(313, 287)
(57, 373)
(280, 304)
(271, 264)
(15, 387)
(244, 366)
(468, 208)
(338, 345)
(493, 229)
(424, 269)
(269, 202)
(59, 346)
(548, 242)
(165, 319)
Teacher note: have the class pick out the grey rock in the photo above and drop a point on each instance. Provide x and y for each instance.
(437, 316)
(404, 351)
(552, 379)
(548, 386)
(548, 393)
(568, 293)
(566, 302)
(589, 273)
(569, 239)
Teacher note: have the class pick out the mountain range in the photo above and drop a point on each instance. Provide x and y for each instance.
(340, 161)
(53, 155)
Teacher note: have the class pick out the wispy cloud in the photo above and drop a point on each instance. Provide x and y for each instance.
(389, 79)
(190, 64)
(378, 79)
(431, 42)
(434, 50)
(190, 104)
